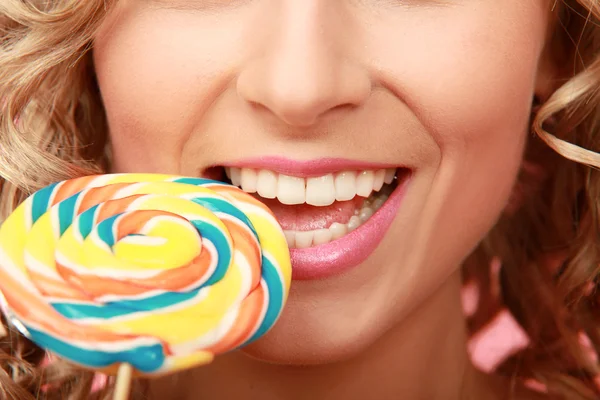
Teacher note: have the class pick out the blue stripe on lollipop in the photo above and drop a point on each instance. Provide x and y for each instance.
(41, 202)
(147, 358)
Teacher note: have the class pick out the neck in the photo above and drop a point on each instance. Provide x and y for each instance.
(423, 357)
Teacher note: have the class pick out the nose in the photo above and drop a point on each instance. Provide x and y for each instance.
(303, 68)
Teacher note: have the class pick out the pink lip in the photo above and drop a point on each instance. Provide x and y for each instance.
(349, 251)
(309, 168)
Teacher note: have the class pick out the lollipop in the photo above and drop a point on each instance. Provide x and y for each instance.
(156, 272)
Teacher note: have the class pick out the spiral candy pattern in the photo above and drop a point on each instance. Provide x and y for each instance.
(158, 271)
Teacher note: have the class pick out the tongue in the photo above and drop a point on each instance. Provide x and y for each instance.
(304, 217)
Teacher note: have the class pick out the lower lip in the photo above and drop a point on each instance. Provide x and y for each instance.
(349, 251)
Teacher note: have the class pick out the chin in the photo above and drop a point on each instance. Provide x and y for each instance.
(313, 340)
(301, 352)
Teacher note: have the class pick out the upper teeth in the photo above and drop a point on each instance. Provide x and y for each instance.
(316, 191)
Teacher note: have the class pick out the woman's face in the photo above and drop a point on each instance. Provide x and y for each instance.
(314, 99)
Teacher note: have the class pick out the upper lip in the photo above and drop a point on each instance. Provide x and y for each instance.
(307, 168)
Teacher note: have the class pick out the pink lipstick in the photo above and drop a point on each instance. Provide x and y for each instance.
(309, 168)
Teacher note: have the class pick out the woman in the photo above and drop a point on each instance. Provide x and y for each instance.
(315, 106)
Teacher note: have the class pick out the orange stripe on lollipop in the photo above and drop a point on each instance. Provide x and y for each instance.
(244, 241)
(68, 188)
(116, 206)
(33, 310)
(56, 288)
(245, 324)
(176, 279)
(134, 221)
(98, 195)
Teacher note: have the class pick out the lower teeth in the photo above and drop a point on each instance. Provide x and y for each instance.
(304, 239)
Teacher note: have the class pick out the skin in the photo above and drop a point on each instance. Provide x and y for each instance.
(442, 87)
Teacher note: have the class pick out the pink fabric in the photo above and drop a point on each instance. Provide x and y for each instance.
(502, 337)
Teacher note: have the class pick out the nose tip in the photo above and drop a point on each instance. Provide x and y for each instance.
(300, 96)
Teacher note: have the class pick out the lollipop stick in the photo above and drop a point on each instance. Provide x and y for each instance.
(3, 332)
(123, 386)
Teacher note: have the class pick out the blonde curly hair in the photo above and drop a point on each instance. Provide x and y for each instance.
(53, 127)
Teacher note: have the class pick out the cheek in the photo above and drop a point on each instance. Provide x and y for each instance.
(157, 70)
(472, 90)
(464, 81)
(481, 129)
(481, 118)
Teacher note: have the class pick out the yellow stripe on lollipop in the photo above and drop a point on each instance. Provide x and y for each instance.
(14, 237)
(178, 241)
(41, 243)
(186, 322)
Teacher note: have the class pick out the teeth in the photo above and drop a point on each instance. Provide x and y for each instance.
(338, 230)
(389, 175)
(365, 214)
(248, 180)
(305, 239)
(345, 186)
(290, 237)
(378, 202)
(322, 236)
(266, 185)
(291, 190)
(378, 179)
(235, 174)
(353, 223)
(317, 191)
(320, 191)
(364, 183)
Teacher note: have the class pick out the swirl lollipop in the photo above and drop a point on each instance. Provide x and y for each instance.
(156, 272)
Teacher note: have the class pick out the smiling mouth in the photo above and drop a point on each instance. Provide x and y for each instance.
(317, 210)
